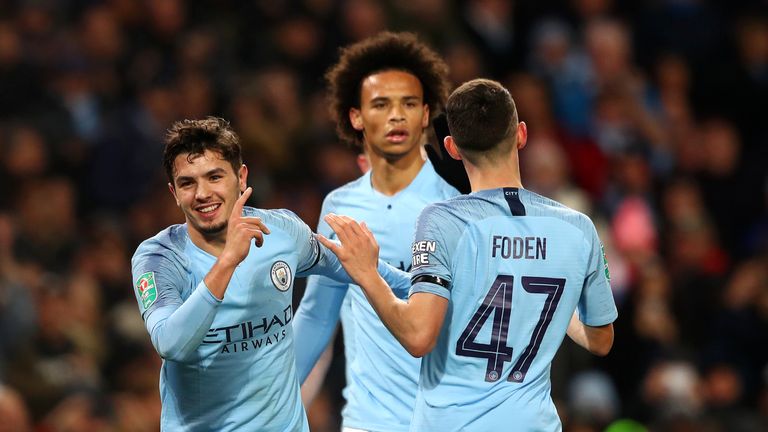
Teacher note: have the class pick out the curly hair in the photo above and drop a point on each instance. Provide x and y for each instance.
(385, 51)
(194, 137)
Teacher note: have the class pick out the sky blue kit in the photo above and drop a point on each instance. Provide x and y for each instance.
(514, 266)
(381, 376)
(229, 365)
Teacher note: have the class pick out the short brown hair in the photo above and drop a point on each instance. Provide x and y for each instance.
(385, 51)
(481, 114)
(196, 136)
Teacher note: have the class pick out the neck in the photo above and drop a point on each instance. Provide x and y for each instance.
(494, 174)
(212, 244)
(390, 176)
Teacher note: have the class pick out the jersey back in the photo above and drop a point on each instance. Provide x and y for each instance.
(514, 266)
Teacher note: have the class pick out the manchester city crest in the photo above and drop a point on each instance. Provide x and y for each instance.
(281, 275)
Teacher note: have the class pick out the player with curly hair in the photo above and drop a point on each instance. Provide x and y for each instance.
(383, 94)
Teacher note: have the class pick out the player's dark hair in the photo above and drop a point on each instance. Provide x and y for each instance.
(385, 51)
(481, 117)
(194, 137)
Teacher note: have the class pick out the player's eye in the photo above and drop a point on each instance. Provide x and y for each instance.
(215, 177)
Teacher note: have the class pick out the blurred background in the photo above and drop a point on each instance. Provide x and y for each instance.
(646, 115)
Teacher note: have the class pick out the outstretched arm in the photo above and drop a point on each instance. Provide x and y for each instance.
(415, 323)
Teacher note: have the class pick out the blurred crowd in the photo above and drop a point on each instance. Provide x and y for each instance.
(647, 116)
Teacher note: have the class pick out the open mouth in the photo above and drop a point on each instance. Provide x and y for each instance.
(209, 209)
(397, 136)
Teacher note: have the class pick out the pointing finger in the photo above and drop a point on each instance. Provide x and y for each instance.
(237, 210)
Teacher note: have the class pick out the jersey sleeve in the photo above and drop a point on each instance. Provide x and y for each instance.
(319, 260)
(318, 313)
(596, 304)
(431, 260)
(307, 246)
(315, 321)
(176, 326)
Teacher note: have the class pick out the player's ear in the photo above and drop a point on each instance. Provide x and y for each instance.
(425, 117)
(173, 192)
(356, 119)
(450, 146)
(522, 135)
(242, 178)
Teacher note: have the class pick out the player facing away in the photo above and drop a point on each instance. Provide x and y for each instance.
(497, 278)
(383, 91)
(215, 293)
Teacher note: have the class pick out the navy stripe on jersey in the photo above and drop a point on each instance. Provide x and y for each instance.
(512, 196)
(316, 251)
(437, 280)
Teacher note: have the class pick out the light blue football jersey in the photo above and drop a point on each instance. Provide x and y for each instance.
(382, 378)
(514, 266)
(228, 365)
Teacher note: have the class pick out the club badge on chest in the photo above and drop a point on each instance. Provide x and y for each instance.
(281, 275)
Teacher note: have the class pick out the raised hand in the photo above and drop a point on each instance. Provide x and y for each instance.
(240, 230)
(358, 251)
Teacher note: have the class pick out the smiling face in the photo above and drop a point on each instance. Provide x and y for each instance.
(392, 114)
(205, 188)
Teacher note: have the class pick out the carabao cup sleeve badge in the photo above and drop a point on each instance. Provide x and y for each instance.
(281, 275)
(147, 289)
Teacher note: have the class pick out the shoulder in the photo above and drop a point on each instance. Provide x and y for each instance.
(444, 214)
(345, 193)
(543, 206)
(445, 190)
(168, 244)
(276, 218)
(438, 184)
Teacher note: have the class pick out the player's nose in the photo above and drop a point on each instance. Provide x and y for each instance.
(397, 113)
(202, 192)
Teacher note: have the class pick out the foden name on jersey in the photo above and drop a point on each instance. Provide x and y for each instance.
(519, 247)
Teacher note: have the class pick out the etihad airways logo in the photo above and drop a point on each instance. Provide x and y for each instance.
(251, 335)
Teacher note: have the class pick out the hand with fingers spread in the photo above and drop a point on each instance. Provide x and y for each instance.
(358, 251)
(240, 231)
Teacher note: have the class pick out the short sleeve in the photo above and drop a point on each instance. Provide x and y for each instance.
(431, 253)
(307, 246)
(596, 305)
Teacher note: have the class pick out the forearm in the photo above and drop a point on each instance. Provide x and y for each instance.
(314, 381)
(330, 266)
(596, 340)
(176, 334)
(219, 276)
(398, 316)
(311, 338)
(315, 321)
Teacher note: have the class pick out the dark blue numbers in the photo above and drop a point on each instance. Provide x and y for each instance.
(498, 302)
